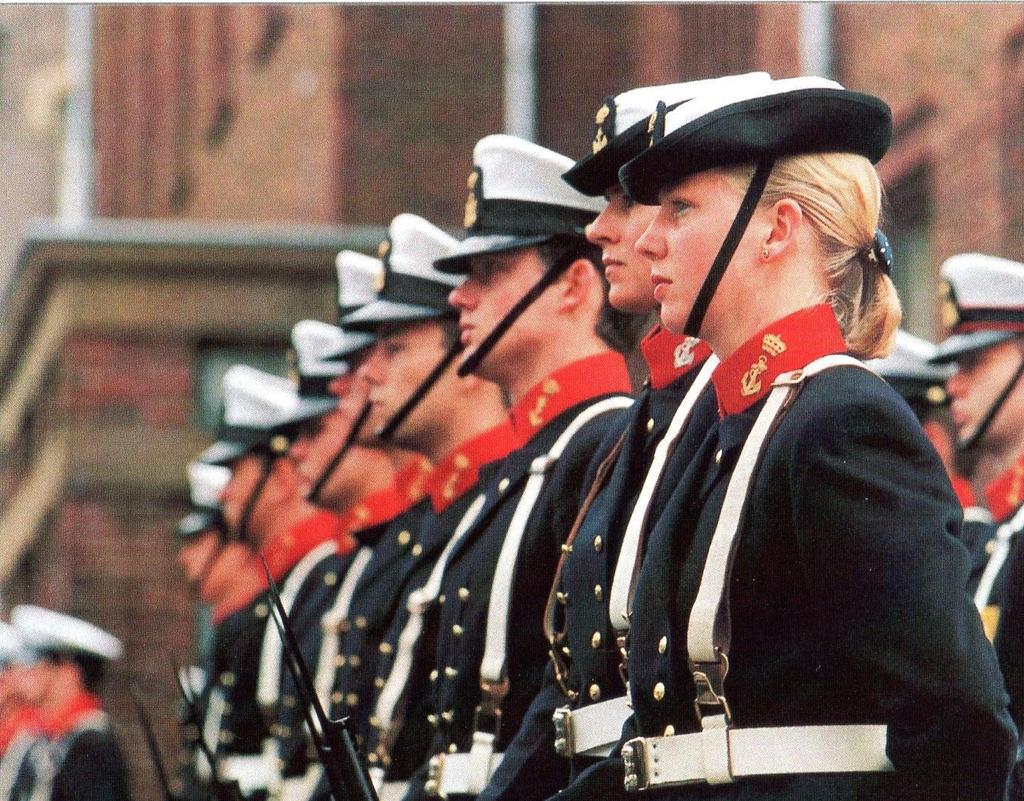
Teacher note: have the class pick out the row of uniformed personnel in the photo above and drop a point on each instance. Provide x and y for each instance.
(519, 580)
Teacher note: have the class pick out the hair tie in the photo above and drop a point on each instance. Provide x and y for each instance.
(881, 252)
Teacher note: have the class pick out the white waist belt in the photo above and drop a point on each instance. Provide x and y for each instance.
(591, 730)
(720, 754)
(253, 773)
(463, 774)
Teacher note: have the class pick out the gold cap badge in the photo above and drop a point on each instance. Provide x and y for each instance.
(472, 182)
(950, 311)
(935, 395)
(600, 135)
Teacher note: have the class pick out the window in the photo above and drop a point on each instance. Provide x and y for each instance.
(211, 364)
(911, 204)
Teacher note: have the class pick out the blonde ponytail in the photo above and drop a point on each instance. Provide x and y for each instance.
(841, 197)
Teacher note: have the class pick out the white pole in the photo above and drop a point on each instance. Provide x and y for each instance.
(817, 55)
(520, 25)
(76, 201)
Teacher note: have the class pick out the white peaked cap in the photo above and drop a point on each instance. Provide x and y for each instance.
(314, 342)
(639, 104)
(515, 169)
(987, 281)
(416, 244)
(46, 630)
(722, 92)
(256, 399)
(206, 483)
(357, 276)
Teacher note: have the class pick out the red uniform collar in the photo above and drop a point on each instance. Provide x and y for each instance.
(409, 486)
(460, 469)
(1005, 493)
(787, 344)
(574, 383)
(67, 719)
(21, 719)
(284, 552)
(670, 356)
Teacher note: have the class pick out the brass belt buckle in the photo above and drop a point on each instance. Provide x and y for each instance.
(563, 731)
(435, 771)
(633, 759)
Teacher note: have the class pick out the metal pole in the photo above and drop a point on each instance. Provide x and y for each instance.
(76, 201)
(520, 26)
(817, 56)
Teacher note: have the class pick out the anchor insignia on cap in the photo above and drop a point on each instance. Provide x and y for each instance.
(950, 310)
(600, 135)
(472, 182)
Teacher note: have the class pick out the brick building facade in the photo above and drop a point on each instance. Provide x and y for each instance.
(347, 115)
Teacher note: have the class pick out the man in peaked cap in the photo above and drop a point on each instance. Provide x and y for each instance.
(21, 747)
(584, 692)
(982, 297)
(225, 574)
(459, 424)
(85, 760)
(532, 315)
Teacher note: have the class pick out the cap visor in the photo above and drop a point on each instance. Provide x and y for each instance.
(196, 523)
(381, 312)
(952, 348)
(457, 262)
(593, 175)
(355, 341)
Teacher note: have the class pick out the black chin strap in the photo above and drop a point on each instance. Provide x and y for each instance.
(386, 431)
(250, 505)
(729, 245)
(552, 274)
(968, 444)
(346, 446)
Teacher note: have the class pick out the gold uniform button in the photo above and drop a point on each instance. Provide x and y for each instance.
(718, 457)
(361, 622)
(457, 630)
(379, 682)
(659, 691)
(450, 672)
(563, 597)
(372, 758)
(598, 543)
(650, 424)
(261, 610)
(595, 641)
(441, 599)
(662, 645)
(339, 660)
(990, 547)
(331, 579)
(595, 692)
(503, 485)
(669, 730)
(463, 594)
(448, 716)
(417, 549)
(355, 661)
(352, 699)
(404, 537)
(227, 679)
(432, 719)
(453, 749)
(598, 592)
(385, 648)
(375, 721)
(337, 697)
(434, 674)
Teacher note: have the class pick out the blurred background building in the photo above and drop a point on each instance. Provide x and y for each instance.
(201, 165)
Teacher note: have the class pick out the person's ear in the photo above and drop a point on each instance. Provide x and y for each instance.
(577, 284)
(785, 221)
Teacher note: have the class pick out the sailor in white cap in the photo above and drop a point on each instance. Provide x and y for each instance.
(22, 748)
(534, 319)
(982, 298)
(808, 556)
(584, 694)
(86, 762)
(459, 424)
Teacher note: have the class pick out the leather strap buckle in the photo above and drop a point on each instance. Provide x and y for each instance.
(563, 731)
(709, 678)
(633, 760)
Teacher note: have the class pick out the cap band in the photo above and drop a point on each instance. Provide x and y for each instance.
(732, 241)
(415, 291)
(527, 218)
